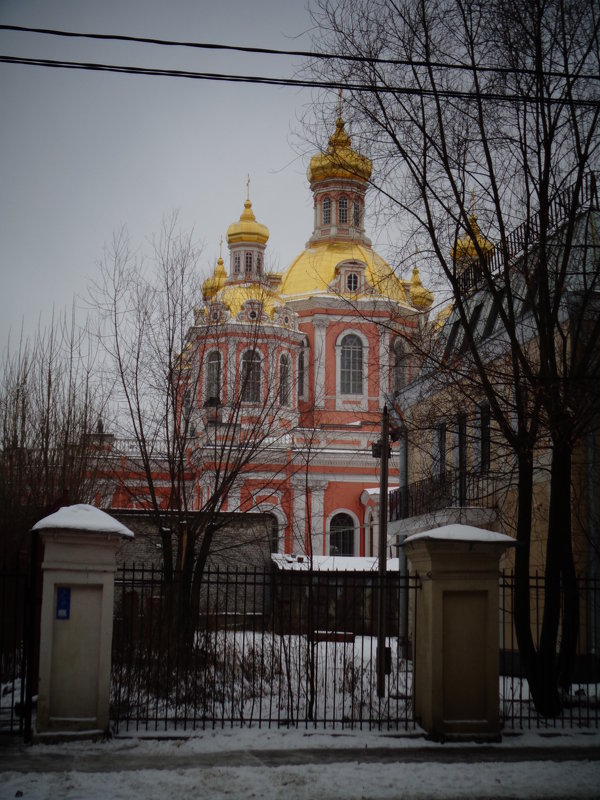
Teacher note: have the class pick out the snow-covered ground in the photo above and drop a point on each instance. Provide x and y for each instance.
(148, 768)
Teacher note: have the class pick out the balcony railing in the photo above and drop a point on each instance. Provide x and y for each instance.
(453, 488)
(527, 234)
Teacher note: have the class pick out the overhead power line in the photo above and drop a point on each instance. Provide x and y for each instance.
(452, 94)
(296, 53)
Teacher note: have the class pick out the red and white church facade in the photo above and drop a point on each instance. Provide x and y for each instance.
(300, 364)
(306, 357)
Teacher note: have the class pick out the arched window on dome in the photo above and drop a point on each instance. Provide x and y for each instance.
(343, 210)
(250, 377)
(356, 212)
(284, 381)
(237, 263)
(248, 262)
(213, 378)
(352, 282)
(351, 365)
(326, 211)
(341, 535)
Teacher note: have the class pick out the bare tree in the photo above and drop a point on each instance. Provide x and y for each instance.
(496, 105)
(204, 397)
(52, 449)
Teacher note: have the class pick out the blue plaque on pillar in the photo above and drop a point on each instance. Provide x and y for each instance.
(63, 602)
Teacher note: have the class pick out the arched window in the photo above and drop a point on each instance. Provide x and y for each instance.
(237, 263)
(352, 282)
(351, 365)
(341, 535)
(213, 377)
(343, 210)
(356, 219)
(284, 381)
(400, 367)
(259, 265)
(248, 262)
(250, 377)
(326, 211)
(301, 373)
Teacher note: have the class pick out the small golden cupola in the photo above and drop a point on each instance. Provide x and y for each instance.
(468, 247)
(338, 179)
(339, 160)
(420, 297)
(213, 285)
(247, 240)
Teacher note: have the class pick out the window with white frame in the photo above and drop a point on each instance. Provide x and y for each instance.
(326, 211)
(250, 377)
(284, 381)
(356, 207)
(259, 264)
(248, 262)
(343, 210)
(351, 365)
(301, 373)
(352, 282)
(341, 535)
(213, 376)
(237, 263)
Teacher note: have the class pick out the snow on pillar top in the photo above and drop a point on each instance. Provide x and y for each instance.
(82, 517)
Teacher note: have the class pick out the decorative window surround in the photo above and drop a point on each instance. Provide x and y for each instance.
(356, 524)
(351, 402)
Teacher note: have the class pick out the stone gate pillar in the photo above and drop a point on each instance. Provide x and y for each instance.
(79, 565)
(455, 667)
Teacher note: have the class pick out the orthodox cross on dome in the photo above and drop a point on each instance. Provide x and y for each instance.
(221, 248)
(248, 187)
(340, 104)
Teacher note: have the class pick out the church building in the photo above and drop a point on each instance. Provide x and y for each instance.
(302, 361)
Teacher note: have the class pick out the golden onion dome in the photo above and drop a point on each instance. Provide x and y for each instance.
(340, 160)
(247, 229)
(216, 282)
(466, 248)
(312, 272)
(420, 297)
(234, 296)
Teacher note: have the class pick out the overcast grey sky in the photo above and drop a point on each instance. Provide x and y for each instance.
(82, 153)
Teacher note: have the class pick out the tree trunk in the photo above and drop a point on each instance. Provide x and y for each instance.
(521, 607)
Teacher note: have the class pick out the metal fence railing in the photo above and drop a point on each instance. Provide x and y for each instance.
(262, 648)
(453, 487)
(581, 705)
(13, 588)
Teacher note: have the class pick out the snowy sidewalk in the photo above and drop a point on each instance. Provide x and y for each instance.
(301, 765)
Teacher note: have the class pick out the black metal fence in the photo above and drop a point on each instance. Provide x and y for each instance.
(264, 648)
(13, 596)
(283, 648)
(581, 707)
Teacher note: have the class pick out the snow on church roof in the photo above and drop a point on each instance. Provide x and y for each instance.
(82, 517)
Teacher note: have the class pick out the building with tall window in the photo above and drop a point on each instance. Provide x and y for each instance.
(459, 464)
(303, 360)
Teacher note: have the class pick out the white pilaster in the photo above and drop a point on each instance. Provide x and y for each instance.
(319, 362)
